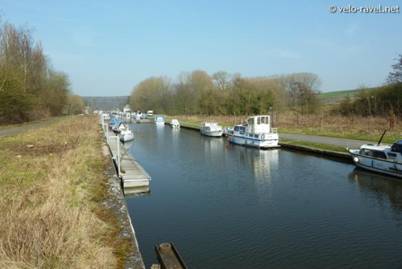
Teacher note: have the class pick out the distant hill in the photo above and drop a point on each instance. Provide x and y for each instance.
(337, 96)
(105, 102)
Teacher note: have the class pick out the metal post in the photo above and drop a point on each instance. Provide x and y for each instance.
(118, 155)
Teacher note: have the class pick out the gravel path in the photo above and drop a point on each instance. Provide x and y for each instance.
(14, 130)
(342, 142)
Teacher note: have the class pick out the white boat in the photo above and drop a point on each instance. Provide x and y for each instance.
(211, 129)
(119, 126)
(385, 159)
(159, 120)
(175, 123)
(138, 116)
(106, 116)
(126, 135)
(257, 132)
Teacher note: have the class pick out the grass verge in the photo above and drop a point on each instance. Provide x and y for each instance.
(52, 184)
(325, 147)
(356, 128)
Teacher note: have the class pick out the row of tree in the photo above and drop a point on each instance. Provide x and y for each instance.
(29, 87)
(382, 101)
(225, 94)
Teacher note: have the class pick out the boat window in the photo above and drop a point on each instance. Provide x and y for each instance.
(256, 135)
(236, 128)
(366, 152)
(396, 147)
(379, 154)
(391, 155)
(250, 121)
(258, 120)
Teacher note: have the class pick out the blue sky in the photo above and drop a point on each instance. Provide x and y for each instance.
(107, 47)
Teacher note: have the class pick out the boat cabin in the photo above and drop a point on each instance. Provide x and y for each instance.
(382, 151)
(397, 147)
(259, 124)
(241, 129)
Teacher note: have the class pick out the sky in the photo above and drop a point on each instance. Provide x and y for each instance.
(107, 47)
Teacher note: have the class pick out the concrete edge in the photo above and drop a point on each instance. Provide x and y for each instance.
(340, 156)
(117, 203)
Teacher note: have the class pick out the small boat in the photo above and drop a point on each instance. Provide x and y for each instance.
(159, 121)
(118, 127)
(175, 123)
(106, 116)
(257, 132)
(385, 159)
(211, 129)
(126, 135)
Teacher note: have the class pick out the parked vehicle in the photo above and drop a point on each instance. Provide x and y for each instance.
(211, 129)
(257, 132)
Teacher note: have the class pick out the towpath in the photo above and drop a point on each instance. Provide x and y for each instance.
(19, 128)
(341, 142)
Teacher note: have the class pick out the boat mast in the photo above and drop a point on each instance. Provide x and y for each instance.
(382, 136)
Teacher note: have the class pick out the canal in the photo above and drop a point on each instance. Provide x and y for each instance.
(226, 206)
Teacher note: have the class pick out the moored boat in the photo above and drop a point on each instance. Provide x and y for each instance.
(159, 120)
(385, 159)
(126, 135)
(211, 129)
(257, 132)
(175, 123)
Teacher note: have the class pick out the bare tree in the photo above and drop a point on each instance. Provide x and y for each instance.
(395, 76)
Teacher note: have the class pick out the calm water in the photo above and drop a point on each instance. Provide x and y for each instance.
(227, 206)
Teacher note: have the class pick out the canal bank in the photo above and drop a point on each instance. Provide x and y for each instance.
(117, 203)
(336, 152)
(58, 199)
(125, 176)
(226, 206)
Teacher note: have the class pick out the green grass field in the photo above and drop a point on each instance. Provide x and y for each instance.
(334, 97)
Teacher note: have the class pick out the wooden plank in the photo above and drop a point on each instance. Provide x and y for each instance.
(169, 257)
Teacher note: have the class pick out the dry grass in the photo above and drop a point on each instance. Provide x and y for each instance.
(51, 183)
(361, 128)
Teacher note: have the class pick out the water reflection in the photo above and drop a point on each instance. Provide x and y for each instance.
(382, 187)
(175, 135)
(260, 162)
(213, 145)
